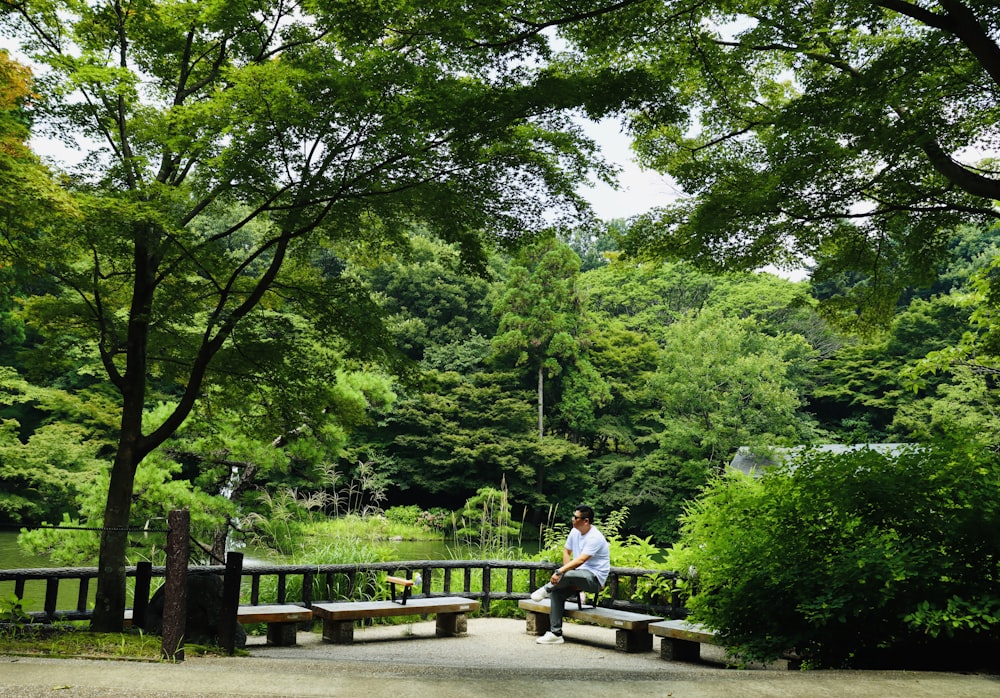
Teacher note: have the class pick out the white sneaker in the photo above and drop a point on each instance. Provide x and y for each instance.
(540, 594)
(550, 638)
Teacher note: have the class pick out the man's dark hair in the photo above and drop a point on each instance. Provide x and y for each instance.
(586, 513)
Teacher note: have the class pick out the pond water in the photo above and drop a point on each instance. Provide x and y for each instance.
(13, 558)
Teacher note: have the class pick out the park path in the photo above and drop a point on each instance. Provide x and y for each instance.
(496, 658)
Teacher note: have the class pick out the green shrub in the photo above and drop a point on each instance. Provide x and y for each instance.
(408, 515)
(855, 559)
(11, 610)
(487, 522)
(436, 519)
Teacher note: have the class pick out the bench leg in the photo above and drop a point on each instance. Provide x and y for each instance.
(451, 624)
(537, 623)
(633, 640)
(679, 650)
(339, 632)
(282, 634)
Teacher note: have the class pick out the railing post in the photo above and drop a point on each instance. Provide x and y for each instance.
(51, 596)
(175, 586)
(254, 589)
(82, 597)
(230, 601)
(307, 589)
(487, 589)
(143, 575)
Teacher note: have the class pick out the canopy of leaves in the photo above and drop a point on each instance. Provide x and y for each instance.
(851, 132)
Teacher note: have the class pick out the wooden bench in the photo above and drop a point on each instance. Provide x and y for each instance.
(682, 641)
(339, 617)
(282, 620)
(632, 628)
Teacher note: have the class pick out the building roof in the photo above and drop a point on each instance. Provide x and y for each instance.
(746, 461)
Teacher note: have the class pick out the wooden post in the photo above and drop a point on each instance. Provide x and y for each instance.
(487, 588)
(175, 586)
(143, 575)
(51, 597)
(230, 602)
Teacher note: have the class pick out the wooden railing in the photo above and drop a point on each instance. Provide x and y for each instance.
(484, 580)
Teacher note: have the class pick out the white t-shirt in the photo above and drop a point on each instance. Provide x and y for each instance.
(595, 545)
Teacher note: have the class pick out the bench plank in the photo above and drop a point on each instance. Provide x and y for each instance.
(339, 617)
(681, 640)
(632, 628)
(278, 613)
(282, 620)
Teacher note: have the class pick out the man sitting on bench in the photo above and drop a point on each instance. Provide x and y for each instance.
(586, 565)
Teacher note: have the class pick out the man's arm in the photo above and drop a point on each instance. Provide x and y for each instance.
(568, 564)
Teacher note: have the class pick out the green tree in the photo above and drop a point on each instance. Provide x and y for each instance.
(452, 434)
(53, 443)
(596, 246)
(543, 325)
(430, 300)
(720, 384)
(647, 298)
(28, 192)
(860, 388)
(335, 128)
(847, 132)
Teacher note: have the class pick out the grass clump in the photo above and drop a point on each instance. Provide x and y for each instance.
(74, 641)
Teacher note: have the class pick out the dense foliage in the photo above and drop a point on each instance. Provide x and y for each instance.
(857, 133)
(319, 261)
(856, 559)
(233, 161)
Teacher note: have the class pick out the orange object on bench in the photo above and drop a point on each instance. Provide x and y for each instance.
(407, 585)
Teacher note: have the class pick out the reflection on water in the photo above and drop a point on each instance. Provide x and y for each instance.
(13, 558)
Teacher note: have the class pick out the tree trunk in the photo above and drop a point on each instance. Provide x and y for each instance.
(541, 405)
(540, 476)
(109, 604)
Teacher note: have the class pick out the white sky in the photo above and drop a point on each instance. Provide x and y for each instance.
(639, 190)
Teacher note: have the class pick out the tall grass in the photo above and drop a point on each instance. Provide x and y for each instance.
(486, 525)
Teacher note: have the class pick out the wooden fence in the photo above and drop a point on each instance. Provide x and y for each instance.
(485, 580)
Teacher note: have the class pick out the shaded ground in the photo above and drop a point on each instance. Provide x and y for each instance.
(496, 658)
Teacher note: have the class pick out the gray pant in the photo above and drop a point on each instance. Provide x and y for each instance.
(569, 584)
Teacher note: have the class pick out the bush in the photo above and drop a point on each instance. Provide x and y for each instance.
(854, 560)
(435, 520)
(407, 515)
